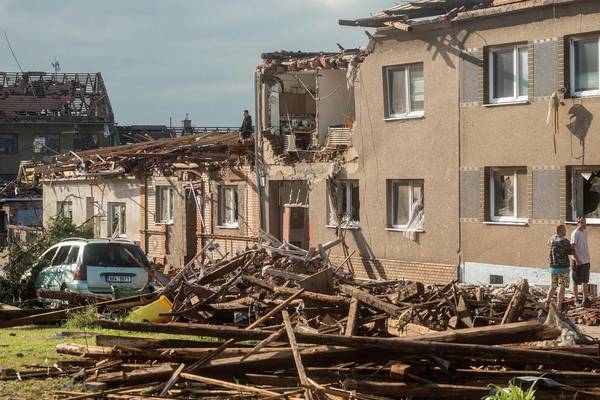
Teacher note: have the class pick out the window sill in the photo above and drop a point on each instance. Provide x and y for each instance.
(164, 223)
(404, 230)
(585, 94)
(588, 222)
(228, 226)
(405, 117)
(507, 103)
(345, 226)
(510, 223)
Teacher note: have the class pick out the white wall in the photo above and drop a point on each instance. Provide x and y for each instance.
(479, 273)
(103, 192)
(340, 102)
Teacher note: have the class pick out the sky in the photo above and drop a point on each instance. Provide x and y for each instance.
(162, 59)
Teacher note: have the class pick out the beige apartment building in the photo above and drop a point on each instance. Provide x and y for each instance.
(472, 135)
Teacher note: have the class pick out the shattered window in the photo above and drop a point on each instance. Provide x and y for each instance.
(228, 206)
(585, 66)
(348, 202)
(508, 74)
(117, 220)
(47, 144)
(508, 193)
(164, 204)
(65, 209)
(405, 202)
(405, 90)
(586, 201)
(8, 144)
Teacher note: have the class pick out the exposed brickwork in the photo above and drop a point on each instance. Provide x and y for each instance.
(395, 269)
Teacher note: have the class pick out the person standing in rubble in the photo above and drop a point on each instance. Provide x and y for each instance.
(246, 130)
(558, 259)
(581, 261)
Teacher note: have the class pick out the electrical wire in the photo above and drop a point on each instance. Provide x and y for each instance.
(12, 52)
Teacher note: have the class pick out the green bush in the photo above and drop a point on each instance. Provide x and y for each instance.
(513, 393)
(15, 283)
(84, 319)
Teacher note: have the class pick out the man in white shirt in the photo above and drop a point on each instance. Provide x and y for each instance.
(581, 265)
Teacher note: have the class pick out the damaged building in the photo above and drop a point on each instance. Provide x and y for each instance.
(487, 107)
(45, 114)
(448, 149)
(171, 196)
(305, 115)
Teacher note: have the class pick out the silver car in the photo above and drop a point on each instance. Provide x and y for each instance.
(98, 266)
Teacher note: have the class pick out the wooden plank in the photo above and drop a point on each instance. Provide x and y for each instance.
(253, 325)
(228, 385)
(172, 380)
(297, 358)
(517, 302)
(320, 282)
(352, 317)
(370, 300)
(323, 298)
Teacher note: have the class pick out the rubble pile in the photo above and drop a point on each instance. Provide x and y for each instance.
(281, 322)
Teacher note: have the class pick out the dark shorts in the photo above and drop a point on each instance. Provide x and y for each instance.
(580, 273)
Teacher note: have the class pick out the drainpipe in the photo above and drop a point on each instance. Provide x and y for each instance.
(257, 149)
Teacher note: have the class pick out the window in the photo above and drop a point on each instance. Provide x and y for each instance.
(228, 206)
(73, 255)
(47, 144)
(345, 204)
(508, 194)
(405, 91)
(509, 74)
(61, 256)
(496, 280)
(65, 209)
(85, 141)
(405, 204)
(164, 205)
(585, 66)
(8, 144)
(585, 194)
(117, 220)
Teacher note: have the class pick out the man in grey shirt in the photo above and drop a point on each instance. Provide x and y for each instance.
(581, 265)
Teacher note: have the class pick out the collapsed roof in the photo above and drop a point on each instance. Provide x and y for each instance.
(282, 61)
(403, 16)
(69, 97)
(166, 155)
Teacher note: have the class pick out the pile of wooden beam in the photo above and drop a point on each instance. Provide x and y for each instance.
(277, 322)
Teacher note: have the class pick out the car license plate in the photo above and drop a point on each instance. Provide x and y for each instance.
(118, 278)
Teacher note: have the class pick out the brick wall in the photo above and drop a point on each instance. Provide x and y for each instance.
(395, 269)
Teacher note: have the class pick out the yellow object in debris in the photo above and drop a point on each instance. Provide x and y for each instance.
(151, 312)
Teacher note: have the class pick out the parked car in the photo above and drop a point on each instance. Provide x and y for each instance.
(98, 266)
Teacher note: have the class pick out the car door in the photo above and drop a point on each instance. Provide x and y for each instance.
(54, 274)
(44, 262)
(67, 269)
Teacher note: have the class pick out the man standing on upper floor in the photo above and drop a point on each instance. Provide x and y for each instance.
(581, 264)
(246, 130)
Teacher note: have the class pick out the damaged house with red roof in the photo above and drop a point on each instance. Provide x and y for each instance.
(45, 114)
(172, 196)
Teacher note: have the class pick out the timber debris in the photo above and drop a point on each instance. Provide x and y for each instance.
(277, 321)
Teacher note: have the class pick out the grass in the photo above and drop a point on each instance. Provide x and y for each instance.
(35, 345)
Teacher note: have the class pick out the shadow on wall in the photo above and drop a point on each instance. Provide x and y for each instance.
(580, 121)
(446, 46)
(369, 262)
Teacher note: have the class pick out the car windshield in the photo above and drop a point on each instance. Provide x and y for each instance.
(113, 255)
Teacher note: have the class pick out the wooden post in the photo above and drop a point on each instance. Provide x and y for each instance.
(296, 353)
(352, 317)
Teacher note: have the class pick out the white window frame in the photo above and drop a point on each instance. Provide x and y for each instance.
(61, 209)
(161, 202)
(221, 210)
(577, 188)
(514, 218)
(517, 97)
(392, 198)
(111, 221)
(344, 188)
(409, 112)
(584, 93)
